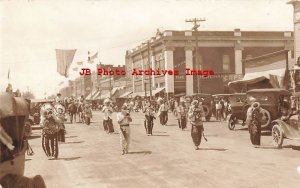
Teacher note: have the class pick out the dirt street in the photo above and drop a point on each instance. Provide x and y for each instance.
(92, 158)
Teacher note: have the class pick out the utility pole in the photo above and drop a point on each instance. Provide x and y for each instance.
(150, 75)
(109, 84)
(195, 21)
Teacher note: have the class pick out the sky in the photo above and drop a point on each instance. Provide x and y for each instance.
(31, 30)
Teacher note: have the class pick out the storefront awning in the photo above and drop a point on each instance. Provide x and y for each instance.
(147, 93)
(275, 78)
(126, 94)
(115, 89)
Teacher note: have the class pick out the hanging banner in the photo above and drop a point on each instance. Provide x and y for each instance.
(64, 59)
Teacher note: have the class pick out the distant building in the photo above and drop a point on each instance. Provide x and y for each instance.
(220, 51)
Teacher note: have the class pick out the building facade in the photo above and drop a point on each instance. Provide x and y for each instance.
(219, 51)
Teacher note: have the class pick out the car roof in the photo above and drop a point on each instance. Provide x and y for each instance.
(270, 90)
(41, 100)
(217, 95)
(202, 94)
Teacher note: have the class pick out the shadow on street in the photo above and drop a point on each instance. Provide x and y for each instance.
(214, 149)
(68, 158)
(293, 147)
(78, 142)
(140, 152)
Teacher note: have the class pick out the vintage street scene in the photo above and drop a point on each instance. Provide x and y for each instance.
(166, 93)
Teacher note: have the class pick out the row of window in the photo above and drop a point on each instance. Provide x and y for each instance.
(160, 63)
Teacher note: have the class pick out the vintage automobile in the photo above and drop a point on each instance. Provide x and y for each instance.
(271, 100)
(288, 125)
(238, 108)
(14, 112)
(225, 97)
(207, 103)
(34, 114)
(289, 128)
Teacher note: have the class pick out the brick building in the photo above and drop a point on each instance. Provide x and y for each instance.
(220, 51)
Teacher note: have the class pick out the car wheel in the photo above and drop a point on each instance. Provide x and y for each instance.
(277, 136)
(207, 118)
(206, 110)
(231, 123)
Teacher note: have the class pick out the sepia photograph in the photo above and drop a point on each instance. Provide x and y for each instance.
(149, 94)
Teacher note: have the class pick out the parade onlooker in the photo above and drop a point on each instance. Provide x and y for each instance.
(195, 114)
(124, 120)
(218, 110)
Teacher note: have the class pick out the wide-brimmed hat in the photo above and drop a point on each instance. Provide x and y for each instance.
(256, 105)
(195, 102)
(252, 99)
(125, 107)
(107, 100)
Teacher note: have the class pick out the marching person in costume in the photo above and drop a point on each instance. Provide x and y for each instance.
(195, 115)
(107, 120)
(50, 124)
(163, 112)
(182, 115)
(253, 121)
(124, 120)
(60, 114)
(87, 113)
(149, 118)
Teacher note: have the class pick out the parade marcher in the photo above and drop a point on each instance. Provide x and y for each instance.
(182, 115)
(149, 118)
(107, 120)
(88, 114)
(124, 120)
(80, 107)
(163, 112)
(195, 114)
(72, 109)
(59, 98)
(60, 114)
(253, 120)
(50, 124)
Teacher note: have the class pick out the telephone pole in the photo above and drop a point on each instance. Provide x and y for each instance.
(149, 66)
(195, 22)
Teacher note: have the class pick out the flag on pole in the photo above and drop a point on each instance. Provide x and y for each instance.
(64, 59)
(92, 58)
(80, 63)
(61, 83)
(8, 74)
